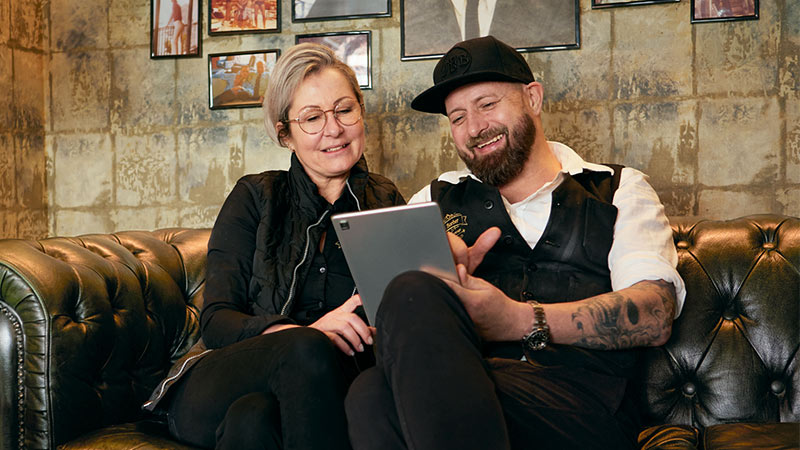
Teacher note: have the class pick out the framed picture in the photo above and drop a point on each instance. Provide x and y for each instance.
(243, 16)
(175, 28)
(239, 80)
(352, 47)
(724, 10)
(596, 4)
(318, 10)
(428, 28)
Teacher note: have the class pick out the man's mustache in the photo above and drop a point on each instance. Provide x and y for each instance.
(485, 136)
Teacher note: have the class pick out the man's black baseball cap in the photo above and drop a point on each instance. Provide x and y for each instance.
(479, 59)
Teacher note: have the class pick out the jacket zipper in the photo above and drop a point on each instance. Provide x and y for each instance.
(302, 261)
(293, 285)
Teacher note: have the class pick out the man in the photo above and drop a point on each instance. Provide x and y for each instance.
(570, 266)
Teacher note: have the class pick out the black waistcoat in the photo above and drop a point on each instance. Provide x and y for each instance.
(569, 263)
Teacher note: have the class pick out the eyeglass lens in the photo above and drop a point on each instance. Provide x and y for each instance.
(312, 121)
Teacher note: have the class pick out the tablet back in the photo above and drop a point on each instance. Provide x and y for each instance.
(380, 244)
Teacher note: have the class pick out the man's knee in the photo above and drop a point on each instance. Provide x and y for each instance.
(411, 294)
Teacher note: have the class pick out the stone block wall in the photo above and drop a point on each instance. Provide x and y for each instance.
(23, 196)
(710, 111)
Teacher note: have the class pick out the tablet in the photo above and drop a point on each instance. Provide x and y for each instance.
(380, 244)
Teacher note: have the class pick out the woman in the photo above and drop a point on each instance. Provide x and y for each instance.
(282, 328)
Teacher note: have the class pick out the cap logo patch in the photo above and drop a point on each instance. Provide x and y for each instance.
(456, 62)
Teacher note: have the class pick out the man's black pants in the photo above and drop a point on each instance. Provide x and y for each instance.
(433, 388)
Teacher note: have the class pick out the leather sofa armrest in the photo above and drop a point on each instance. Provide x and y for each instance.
(101, 319)
(11, 372)
(669, 437)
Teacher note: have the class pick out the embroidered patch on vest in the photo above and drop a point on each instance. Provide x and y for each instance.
(456, 223)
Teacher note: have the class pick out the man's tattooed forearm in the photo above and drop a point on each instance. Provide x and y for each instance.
(613, 321)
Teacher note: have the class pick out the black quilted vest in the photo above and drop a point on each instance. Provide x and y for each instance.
(569, 263)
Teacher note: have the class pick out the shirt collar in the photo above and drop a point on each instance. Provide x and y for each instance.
(571, 162)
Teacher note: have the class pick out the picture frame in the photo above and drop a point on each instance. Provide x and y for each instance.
(172, 34)
(724, 11)
(352, 47)
(600, 4)
(243, 16)
(239, 79)
(428, 28)
(321, 10)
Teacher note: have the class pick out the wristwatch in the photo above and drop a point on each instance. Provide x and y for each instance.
(539, 336)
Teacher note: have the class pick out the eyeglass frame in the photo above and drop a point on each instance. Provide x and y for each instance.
(325, 115)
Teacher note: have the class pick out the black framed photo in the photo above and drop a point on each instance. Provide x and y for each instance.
(319, 10)
(244, 16)
(724, 10)
(175, 28)
(352, 47)
(239, 79)
(596, 4)
(428, 28)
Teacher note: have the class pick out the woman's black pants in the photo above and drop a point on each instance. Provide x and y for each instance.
(282, 390)
(434, 389)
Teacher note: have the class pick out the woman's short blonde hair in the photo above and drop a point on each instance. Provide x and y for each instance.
(292, 68)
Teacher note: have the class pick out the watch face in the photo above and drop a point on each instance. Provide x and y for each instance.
(538, 339)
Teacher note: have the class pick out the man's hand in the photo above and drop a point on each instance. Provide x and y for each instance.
(345, 328)
(496, 316)
(471, 257)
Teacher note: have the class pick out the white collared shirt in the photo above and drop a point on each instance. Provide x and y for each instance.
(485, 14)
(643, 248)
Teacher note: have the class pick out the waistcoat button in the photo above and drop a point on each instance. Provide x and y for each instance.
(322, 270)
(508, 240)
(488, 204)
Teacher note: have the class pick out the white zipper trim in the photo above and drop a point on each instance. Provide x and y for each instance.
(358, 204)
(163, 386)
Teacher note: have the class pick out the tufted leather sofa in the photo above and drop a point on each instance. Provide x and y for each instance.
(89, 325)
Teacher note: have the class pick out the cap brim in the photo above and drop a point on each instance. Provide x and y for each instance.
(432, 99)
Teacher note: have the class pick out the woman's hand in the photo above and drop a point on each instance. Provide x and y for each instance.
(345, 328)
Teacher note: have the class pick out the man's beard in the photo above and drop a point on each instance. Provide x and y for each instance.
(503, 165)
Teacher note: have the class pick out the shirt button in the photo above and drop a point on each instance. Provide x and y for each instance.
(322, 270)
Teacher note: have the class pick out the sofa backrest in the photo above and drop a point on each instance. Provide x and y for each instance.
(103, 318)
(733, 354)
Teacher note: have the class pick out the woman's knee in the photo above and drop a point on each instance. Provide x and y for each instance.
(309, 353)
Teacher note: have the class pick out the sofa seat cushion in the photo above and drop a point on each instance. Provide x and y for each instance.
(669, 437)
(752, 436)
(144, 435)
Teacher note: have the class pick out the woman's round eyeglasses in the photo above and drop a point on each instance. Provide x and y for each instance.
(313, 120)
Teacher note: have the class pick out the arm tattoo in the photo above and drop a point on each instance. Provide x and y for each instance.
(615, 320)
